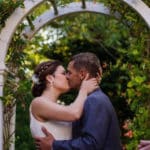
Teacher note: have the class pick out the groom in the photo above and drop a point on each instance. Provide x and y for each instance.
(98, 127)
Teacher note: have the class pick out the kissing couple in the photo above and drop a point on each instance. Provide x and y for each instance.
(88, 123)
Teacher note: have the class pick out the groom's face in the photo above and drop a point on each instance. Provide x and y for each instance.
(73, 76)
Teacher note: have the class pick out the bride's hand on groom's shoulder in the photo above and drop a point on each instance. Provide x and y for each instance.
(44, 143)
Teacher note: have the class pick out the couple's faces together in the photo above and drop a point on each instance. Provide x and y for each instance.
(64, 81)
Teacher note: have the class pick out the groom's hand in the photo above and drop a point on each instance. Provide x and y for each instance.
(44, 143)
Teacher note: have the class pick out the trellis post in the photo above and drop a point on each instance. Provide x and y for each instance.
(2, 69)
(6, 35)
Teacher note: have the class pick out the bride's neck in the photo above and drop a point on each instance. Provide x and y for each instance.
(51, 94)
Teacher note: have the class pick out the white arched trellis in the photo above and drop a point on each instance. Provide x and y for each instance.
(19, 14)
(71, 8)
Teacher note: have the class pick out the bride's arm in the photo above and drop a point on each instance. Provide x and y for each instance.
(46, 110)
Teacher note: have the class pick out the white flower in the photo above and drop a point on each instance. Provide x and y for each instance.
(17, 79)
(35, 79)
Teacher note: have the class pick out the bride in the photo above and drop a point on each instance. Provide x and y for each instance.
(49, 82)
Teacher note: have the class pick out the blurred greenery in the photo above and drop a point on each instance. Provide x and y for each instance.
(123, 46)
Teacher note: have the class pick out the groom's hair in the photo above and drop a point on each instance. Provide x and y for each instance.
(88, 61)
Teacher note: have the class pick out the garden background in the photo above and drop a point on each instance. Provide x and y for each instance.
(122, 45)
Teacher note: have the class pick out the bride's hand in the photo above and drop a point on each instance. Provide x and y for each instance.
(89, 85)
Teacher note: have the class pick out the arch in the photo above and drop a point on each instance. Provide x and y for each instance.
(141, 8)
(71, 8)
(5, 39)
(7, 32)
(18, 15)
(91, 7)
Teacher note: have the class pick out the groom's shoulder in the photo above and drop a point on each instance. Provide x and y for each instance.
(98, 97)
(98, 94)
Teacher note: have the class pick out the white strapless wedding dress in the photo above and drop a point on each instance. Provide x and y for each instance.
(60, 130)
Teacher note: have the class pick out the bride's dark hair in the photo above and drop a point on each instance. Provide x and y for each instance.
(39, 76)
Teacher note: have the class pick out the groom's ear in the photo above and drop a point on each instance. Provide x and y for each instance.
(82, 74)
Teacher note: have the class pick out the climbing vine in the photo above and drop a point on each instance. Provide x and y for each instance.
(7, 7)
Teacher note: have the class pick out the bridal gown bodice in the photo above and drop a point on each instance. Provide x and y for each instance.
(60, 130)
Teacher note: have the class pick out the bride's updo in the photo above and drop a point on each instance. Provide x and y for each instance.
(39, 76)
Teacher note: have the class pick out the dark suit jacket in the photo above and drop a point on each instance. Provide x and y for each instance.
(97, 129)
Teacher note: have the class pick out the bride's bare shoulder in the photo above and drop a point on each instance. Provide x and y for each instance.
(36, 100)
(40, 102)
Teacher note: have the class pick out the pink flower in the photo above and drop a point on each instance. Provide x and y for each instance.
(125, 126)
(129, 134)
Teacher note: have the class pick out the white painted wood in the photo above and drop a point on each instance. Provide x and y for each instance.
(18, 15)
(75, 7)
(1, 105)
(12, 23)
(91, 7)
(140, 7)
(1, 120)
(5, 37)
(12, 129)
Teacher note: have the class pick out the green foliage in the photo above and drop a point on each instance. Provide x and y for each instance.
(122, 46)
(125, 59)
(7, 7)
(24, 139)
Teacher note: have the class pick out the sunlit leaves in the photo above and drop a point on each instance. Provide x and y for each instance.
(6, 9)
